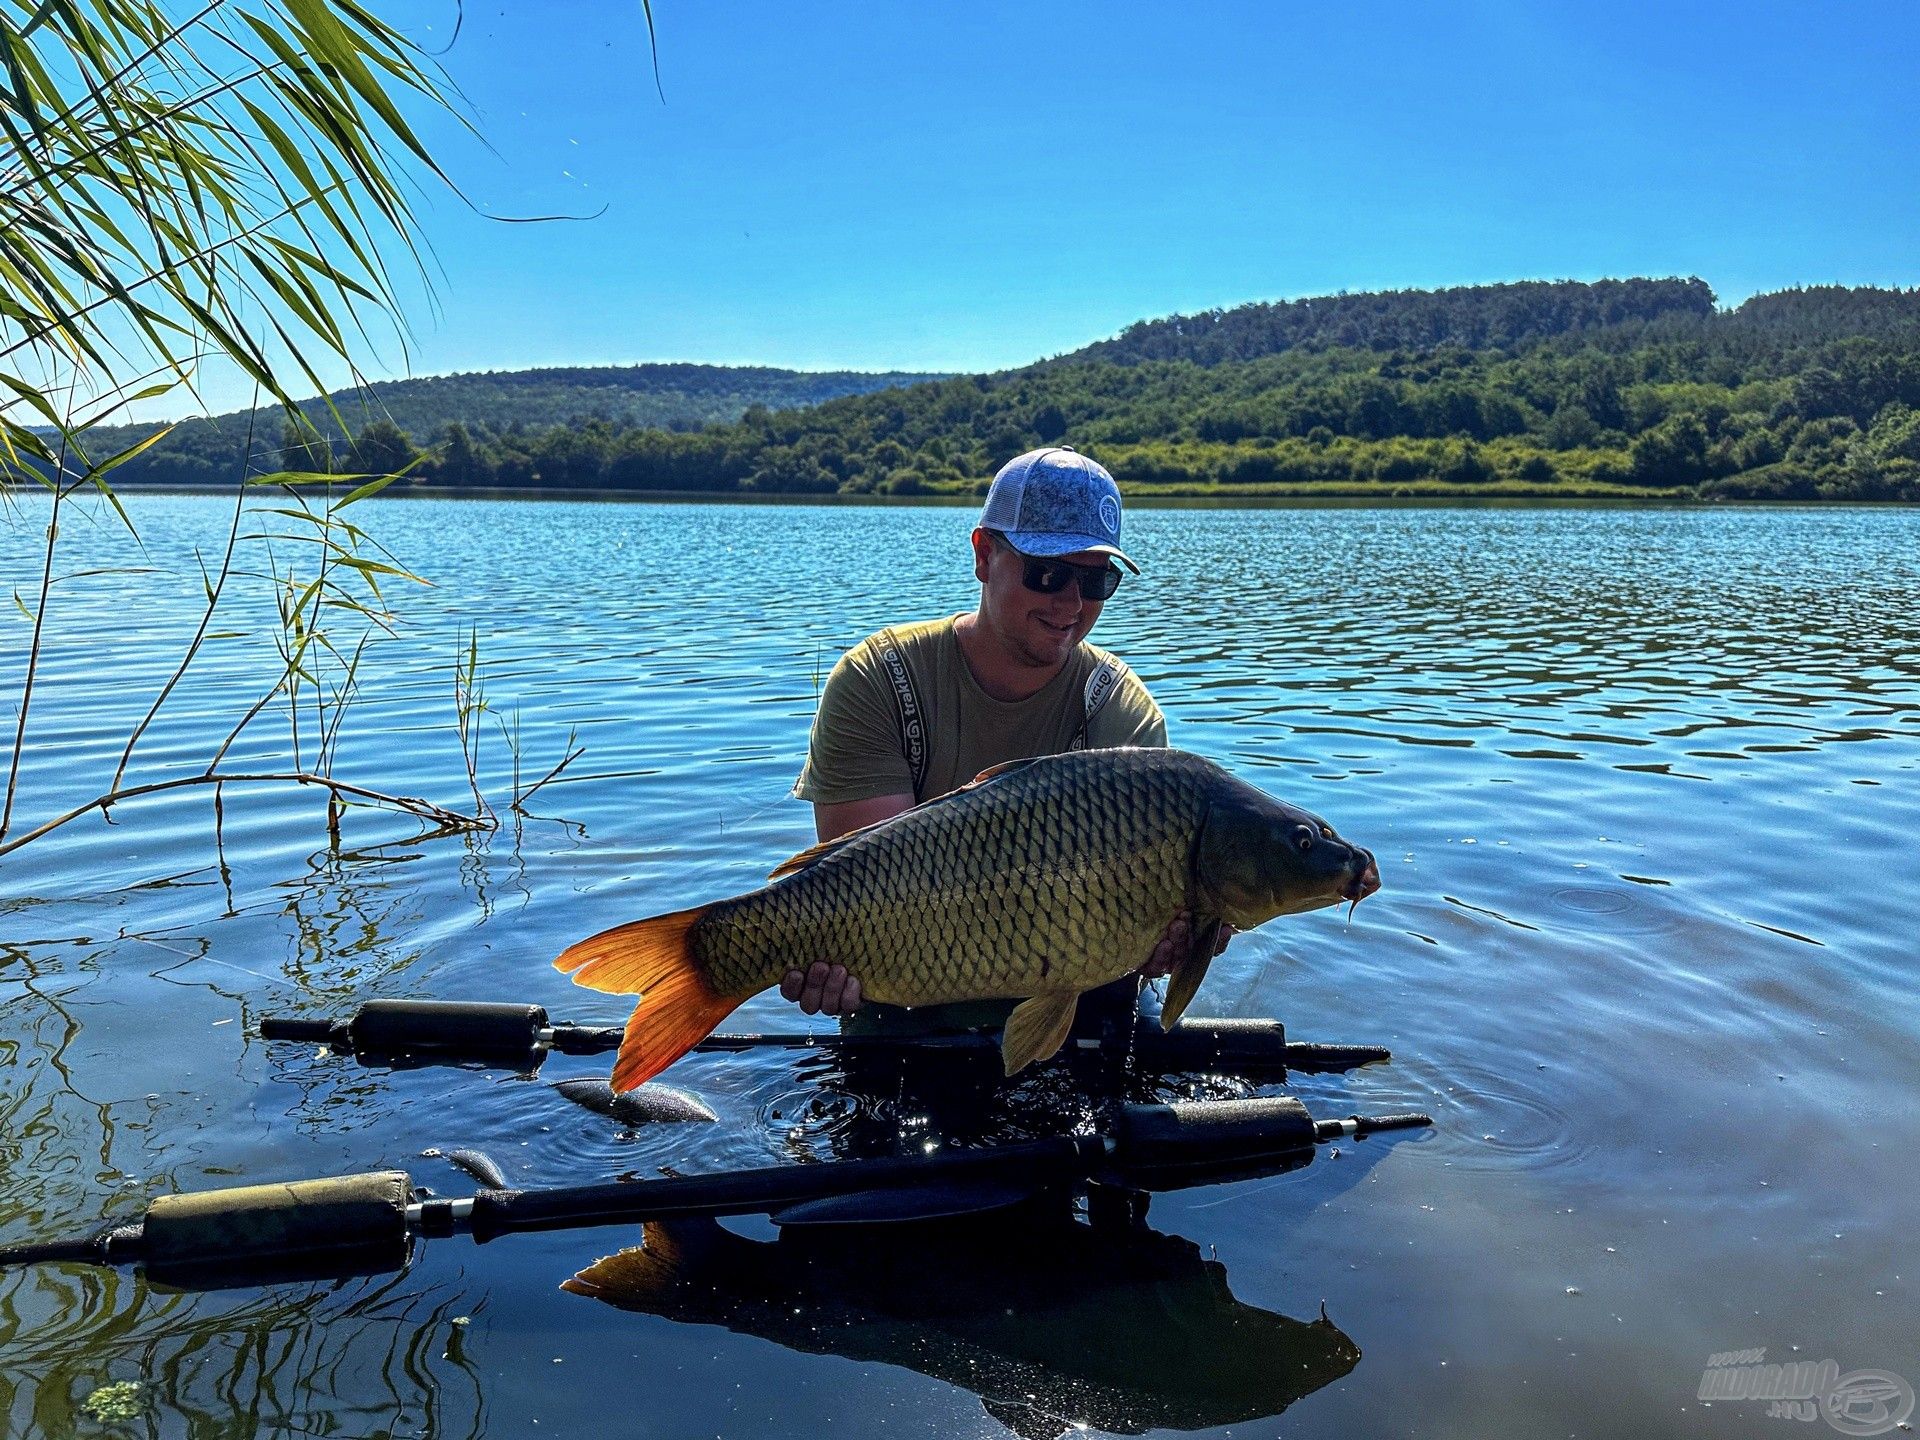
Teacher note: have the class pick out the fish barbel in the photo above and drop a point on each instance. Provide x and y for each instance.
(1038, 881)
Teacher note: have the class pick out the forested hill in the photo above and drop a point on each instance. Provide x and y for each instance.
(1476, 317)
(663, 396)
(666, 397)
(1633, 387)
(1803, 394)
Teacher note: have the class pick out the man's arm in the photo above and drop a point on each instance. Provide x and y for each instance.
(824, 988)
(830, 822)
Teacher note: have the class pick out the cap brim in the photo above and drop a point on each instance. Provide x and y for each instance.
(1046, 545)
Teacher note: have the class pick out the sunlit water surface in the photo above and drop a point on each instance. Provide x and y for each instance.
(1643, 786)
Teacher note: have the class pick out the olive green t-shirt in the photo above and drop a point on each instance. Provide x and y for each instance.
(860, 750)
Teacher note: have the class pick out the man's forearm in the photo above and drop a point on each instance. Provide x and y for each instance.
(830, 822)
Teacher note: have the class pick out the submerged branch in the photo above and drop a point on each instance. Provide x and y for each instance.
(441, 818)
(574, 752)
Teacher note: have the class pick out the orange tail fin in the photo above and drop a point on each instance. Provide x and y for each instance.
(653, 959)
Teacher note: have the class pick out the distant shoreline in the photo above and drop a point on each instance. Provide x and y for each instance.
(1175, 498)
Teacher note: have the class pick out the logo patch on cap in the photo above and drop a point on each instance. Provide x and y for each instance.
(1110, 515)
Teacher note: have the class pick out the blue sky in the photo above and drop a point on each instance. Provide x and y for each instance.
(960, 187)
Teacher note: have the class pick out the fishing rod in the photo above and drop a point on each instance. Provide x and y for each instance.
(521, 1036)
(367, 1224)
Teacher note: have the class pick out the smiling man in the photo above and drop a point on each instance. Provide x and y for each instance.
(918, 710)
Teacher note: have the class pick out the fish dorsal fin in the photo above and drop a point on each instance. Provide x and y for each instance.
(1037, 1028)
(826, 847)
(1190, 970)
(817, 852)
(994, 772)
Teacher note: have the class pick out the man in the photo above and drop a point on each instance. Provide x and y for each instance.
(918, 710)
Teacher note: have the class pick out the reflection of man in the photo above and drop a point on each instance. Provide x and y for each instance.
(918, 710)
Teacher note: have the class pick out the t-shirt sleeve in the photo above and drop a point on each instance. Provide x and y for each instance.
(854, 752)
(1129, 717)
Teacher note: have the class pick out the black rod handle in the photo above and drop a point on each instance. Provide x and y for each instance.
(291, 1027)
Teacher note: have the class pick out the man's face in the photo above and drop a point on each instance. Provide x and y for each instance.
(1039, 630)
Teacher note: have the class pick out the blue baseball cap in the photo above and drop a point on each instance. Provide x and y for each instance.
(1056, 502)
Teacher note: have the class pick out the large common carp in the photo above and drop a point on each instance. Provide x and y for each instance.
(1039, 880)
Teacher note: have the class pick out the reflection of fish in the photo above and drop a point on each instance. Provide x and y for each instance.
(477, 1163)
(1052, 1323)
(650, 1104)
(1042, 879)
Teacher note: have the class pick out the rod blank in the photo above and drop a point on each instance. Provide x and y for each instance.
(520, 1035)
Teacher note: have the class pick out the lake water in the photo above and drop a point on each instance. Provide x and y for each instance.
(1643, 785)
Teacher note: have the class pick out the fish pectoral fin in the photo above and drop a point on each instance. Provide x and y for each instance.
(1190, 971)
(1037, 1028)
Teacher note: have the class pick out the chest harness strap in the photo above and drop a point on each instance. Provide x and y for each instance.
(1101, 684)
(908, 711)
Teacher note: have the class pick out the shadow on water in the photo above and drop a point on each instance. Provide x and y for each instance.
(1053, 1322)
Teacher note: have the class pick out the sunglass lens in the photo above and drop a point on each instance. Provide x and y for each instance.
(1050, 577)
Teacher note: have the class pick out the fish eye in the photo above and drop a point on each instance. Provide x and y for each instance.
(1302, 838)
(1326, 832)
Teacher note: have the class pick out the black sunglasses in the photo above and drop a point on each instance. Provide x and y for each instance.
(1050, 577)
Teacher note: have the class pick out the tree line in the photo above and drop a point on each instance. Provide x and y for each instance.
(1807, 394)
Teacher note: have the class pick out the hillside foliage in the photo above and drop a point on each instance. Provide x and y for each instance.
(1633, 386)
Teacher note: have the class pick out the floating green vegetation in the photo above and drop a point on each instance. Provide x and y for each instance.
(115, 1403)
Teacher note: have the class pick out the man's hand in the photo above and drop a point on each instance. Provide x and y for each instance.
(823, 990)
(1173, 946)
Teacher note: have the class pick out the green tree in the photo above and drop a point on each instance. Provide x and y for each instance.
(303, 449)
(1571, 428)
(1674, 452)
(459, 461)
(1896, 434)
(382, 448)
(1464, 465)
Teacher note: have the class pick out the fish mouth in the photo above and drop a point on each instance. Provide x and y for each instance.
(1363, 882)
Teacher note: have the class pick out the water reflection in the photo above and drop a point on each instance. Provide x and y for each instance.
(1052, 1321)
(364, 1358)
